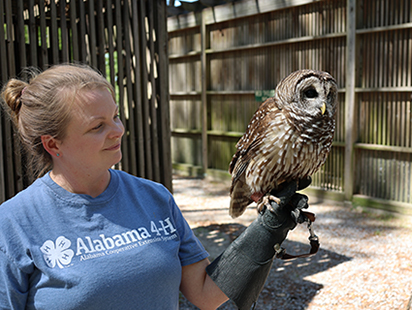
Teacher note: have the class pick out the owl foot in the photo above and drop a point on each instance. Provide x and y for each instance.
(265, 203)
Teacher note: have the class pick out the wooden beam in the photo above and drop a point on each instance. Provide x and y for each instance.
(64, 33)
(74, 33)
(152, 110)
(145, 104)
(140, 159)
(231, 11)
(129, 106)
(120, 78)
(204, 95)
(54, 36)
(82, 35)
(32, 35)
(21, 34)
(164, 98)
(350, 98)
(44, 62)
(92, 35)
(3, 121)
(382, 204)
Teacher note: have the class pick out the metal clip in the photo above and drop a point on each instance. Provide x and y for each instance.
(311, 232)
(279, 251)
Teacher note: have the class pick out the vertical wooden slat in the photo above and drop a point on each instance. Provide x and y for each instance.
(129, 91)
(32, 35)
(101, 61)
(12, 176)
(44, 62)
(92, 35)
(408, 138)
(350, 97)
(203, 60)
(163, 91)
(402, 132)
(153, 99)
(110, 40)
(64, 32)
(21, 34)
(20, 41)
(54, 36)
(74, 32)
(82, 33)
(120, 78)
(3, 78)
(138, 89)
(145, 81)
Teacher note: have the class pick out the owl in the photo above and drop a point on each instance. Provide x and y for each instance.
(287, 139)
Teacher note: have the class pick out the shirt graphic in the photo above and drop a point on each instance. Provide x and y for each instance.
(58, 252)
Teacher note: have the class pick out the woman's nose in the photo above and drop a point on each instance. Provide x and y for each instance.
(117, 129)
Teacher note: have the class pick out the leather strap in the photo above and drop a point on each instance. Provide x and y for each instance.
(313, 239)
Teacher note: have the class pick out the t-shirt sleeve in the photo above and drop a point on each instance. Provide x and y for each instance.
(13, 284)
(191, 250)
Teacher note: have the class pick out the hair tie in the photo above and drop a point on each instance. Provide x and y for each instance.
(23, 90)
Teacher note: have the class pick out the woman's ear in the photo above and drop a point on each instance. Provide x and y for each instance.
(51, 145)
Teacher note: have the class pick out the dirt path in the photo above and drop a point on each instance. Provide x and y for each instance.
(364, 261)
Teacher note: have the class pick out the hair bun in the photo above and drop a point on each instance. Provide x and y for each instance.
(17, 104)
(12, 93)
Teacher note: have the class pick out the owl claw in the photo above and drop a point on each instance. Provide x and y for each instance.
(265, 203)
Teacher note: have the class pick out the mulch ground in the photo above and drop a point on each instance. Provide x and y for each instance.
(364, 261)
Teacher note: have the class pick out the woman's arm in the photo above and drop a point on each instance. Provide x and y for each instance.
(199, 288)
(13, 285)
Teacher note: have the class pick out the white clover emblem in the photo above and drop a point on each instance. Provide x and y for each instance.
(58, 253)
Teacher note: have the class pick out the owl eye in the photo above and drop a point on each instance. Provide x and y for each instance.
(310, 93)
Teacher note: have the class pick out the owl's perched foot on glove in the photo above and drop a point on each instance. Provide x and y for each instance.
(265, 203)
(282, 194)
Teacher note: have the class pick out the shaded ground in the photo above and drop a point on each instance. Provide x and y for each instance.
(364, 261)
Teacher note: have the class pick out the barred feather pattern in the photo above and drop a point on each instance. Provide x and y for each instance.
(288, 138)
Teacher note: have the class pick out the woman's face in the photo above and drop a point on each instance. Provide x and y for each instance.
(94, 133)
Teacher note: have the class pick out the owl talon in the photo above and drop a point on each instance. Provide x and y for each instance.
(265, 203)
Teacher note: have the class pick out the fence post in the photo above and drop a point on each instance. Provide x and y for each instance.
(350, 98)
(204, 95)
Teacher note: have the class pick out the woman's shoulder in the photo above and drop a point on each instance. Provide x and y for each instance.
(147, 192)
(127, 179)
(23, 198)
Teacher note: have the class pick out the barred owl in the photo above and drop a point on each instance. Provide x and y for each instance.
(287, 139)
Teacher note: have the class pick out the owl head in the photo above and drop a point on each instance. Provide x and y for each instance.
(310, 92)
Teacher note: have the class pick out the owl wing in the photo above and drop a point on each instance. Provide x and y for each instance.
(251, 141)
(247, 148)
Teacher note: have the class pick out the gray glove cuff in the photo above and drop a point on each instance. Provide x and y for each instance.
(241, 270)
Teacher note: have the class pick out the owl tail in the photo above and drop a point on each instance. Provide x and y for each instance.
(239, 198)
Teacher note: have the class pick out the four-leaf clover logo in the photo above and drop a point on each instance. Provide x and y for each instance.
(57, 253)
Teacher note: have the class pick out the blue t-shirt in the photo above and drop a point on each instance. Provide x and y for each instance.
(121, 250)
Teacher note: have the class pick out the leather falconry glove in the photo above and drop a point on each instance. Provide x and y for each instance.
(241, 270)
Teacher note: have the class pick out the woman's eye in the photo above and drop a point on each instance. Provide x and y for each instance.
(97, 127)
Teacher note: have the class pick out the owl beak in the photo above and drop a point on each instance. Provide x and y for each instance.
(323, 108)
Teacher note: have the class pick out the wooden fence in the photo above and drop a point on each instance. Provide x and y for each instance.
(223, 57)
(126, 40)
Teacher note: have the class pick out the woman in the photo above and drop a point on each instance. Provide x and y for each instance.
(84, 236)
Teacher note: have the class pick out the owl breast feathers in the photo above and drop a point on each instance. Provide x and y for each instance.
(288, 138)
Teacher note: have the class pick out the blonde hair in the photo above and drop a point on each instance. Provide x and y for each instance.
(43, 105)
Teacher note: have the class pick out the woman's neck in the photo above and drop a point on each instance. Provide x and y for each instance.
(92, 185)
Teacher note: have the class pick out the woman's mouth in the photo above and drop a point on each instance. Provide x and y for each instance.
(114, 147)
